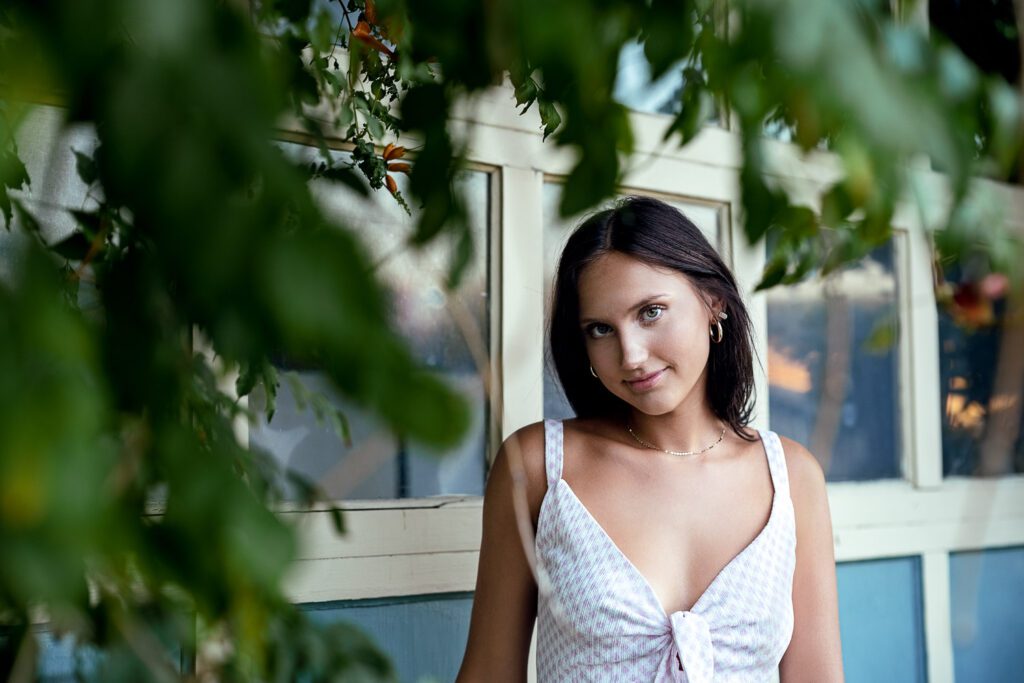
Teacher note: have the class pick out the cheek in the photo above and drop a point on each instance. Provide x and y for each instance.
(598, 353)
(687, 346)
(686, 336)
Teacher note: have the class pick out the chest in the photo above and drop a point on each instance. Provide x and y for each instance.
(678, 527)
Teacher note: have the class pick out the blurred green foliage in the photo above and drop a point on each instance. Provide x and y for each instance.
(203, 229)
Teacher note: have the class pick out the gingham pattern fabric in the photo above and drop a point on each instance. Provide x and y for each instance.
(598, 619)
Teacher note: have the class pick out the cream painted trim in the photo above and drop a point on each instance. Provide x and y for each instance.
(522, 295)
(391, 576)
(938, 626)
(454, 527)
(958, 499)
(905, 375)
(417, 550)
(921, 414)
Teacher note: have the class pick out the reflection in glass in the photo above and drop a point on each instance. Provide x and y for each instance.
(556, 233)
(881, 620)
(833, 368)
(986, 622)
(967, 372)
(377, 464)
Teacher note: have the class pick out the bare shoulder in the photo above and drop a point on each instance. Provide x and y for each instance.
(806, 478)
(521, 459)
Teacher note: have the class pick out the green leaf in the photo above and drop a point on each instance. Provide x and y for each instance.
(28, 222)
(338, 519)
(85, 165)
(462, 257)
(74, 247)
(293, 10)
(13, 172)
(323, 32)
(550, 117)
(774, 271)
(347, 177)
(697, 106)
(89, 221)
(667, 34)
(525, 93)
(375, 127)
(246, 380)
(836, 205)
(341, 426)
(883, 336)
(13, 175)
(5, 206)
(270, 385)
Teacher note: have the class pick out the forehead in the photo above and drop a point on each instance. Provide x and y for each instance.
(616, 282)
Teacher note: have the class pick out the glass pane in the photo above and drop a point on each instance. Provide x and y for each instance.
(377, 464)
(881, 620)
(424, 636)
(967, 370)
(833, 370)
(556, 233)
(987, 624)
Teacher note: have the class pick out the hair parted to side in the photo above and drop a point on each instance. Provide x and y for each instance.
(651, 231)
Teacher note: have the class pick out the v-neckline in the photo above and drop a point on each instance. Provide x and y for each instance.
(643, 579)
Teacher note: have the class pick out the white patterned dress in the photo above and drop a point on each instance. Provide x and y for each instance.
(598, 619)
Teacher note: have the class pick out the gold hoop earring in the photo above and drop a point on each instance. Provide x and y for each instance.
(592, 372)
(721, 333)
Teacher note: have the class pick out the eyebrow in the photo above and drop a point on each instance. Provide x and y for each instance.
(640, 304)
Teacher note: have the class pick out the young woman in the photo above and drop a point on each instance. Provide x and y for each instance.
(659, 538)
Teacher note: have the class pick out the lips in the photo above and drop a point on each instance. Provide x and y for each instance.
(647, 381)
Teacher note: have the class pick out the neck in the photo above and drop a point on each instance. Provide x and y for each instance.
(681, 430)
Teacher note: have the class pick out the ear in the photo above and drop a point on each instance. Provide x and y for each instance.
(715, 306)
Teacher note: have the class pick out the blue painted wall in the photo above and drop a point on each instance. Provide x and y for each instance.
(425, 636)
(987, 614)
(880, 620)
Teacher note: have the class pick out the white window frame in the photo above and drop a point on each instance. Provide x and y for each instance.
(424, 546)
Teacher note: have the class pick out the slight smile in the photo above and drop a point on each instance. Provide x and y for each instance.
(647, 381)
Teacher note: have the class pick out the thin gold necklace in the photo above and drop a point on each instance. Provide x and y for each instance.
(664, 450)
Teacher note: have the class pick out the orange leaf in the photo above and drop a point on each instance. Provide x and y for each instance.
(362, 33)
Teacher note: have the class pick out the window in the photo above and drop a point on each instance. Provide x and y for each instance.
(833, 368)
(968, 359)
(376, 464)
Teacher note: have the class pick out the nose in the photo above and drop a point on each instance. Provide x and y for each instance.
(633, 350)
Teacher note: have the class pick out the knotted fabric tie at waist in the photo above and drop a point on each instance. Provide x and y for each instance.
(692, 639)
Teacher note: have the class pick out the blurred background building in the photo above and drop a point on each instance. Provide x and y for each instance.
(864, 367)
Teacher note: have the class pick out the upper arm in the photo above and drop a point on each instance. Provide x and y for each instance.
(505, 601)
(814, 653)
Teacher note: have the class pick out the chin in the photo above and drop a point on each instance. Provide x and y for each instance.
(653, 408)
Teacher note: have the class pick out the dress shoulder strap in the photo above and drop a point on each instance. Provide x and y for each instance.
(553, 450)
(776, 461)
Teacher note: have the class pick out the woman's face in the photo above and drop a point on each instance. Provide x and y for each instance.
(646, 331)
